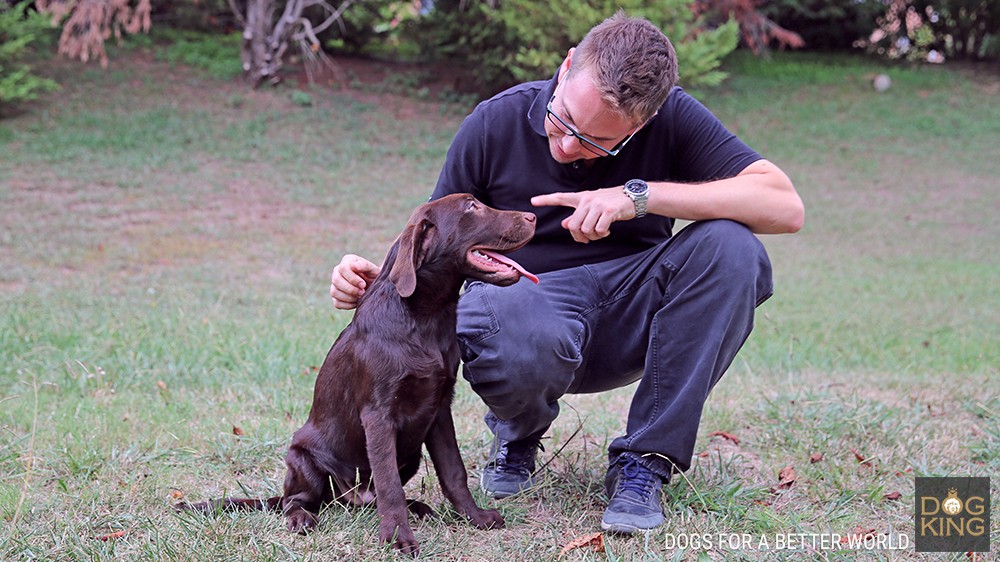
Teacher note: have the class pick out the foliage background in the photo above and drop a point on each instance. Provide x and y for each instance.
(21, 31)
(520, 40)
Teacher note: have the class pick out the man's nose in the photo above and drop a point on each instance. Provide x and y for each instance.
(569, 144)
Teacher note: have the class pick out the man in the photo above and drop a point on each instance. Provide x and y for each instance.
(607, 154)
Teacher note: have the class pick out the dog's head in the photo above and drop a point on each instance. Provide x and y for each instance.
(458, 237)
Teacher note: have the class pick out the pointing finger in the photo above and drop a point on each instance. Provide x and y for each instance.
(562, 199)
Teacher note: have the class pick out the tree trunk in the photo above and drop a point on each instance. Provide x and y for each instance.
(266, 38)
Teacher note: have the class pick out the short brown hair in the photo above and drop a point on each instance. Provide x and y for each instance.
(633, 63)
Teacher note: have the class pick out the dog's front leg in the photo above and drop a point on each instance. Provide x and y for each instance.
(443, 447)
(389, 497)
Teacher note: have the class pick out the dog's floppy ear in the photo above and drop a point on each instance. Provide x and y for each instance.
(414, 242)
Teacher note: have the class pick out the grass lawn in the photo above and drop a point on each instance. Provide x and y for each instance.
(166, 239)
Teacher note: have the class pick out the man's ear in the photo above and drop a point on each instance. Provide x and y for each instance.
(414, 242)
(564, 67)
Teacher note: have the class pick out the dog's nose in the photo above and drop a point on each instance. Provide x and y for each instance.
(530, 217)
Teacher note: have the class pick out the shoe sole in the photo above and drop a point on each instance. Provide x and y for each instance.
(625, 529)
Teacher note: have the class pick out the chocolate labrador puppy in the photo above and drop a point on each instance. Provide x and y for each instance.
(386, 387)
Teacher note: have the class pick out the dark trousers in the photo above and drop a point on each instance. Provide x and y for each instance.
(672, 317)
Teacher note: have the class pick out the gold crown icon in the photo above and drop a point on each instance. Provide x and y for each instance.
(952, 505)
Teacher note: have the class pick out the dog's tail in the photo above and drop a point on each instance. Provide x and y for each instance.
(232, 505)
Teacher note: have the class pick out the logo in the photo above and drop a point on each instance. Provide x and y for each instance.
(952, 505)
(952, 515)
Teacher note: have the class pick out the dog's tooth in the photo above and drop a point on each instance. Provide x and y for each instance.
(484, 256)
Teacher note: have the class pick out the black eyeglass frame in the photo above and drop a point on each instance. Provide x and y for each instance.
(590, 145)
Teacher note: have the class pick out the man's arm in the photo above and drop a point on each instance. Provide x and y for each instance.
(761, 196)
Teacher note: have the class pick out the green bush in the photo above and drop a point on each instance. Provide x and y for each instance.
(20, 29)
(968, 29)
(518, 40)
(217, 54)
(963, 29)
(206, 16)
(370, 28)
(830, 26)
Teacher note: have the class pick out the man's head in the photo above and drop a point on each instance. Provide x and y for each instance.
(610, 85)
(632, 64)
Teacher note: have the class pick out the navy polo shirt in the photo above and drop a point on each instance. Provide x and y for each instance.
(501, 155)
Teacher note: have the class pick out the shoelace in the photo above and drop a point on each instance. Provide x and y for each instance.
(635, 478)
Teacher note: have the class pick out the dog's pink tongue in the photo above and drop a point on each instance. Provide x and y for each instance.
(504, 259)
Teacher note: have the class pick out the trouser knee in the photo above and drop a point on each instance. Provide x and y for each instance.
(735, 255)
(526, 367)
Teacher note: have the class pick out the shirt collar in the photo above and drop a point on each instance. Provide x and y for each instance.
(536, 113)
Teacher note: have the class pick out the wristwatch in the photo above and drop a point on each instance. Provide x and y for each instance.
(638, 192)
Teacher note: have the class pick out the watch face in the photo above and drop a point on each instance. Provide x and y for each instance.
(637, 187)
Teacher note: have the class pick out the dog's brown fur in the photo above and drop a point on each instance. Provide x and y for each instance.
(386, 386)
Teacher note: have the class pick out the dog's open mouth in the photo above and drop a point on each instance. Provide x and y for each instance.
(489, 260)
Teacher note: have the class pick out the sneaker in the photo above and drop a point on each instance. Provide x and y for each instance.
(511, 469)
(634, 497)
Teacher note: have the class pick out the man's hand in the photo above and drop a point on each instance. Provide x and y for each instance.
(594, 211)
(350, 279)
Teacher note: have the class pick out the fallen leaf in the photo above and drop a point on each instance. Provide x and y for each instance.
(815, 458)
(861, 458)
(237, 430)
(893, 496)
(177, 495)
(595, 541)
(725, 435)
(110, 536)
(786, 477)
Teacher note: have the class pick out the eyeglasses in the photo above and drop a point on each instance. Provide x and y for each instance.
(590, 145)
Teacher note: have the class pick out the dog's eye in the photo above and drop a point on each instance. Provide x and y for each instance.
(471, 205)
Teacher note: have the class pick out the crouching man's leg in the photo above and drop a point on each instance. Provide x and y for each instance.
(710, 278)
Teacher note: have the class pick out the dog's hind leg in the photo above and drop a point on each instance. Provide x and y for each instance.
(307, 486)
(419, 508)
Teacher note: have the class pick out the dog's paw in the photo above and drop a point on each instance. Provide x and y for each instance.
(410, 547)
(400, 535)
(301, 521)
(486, 519)
(419, 508)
